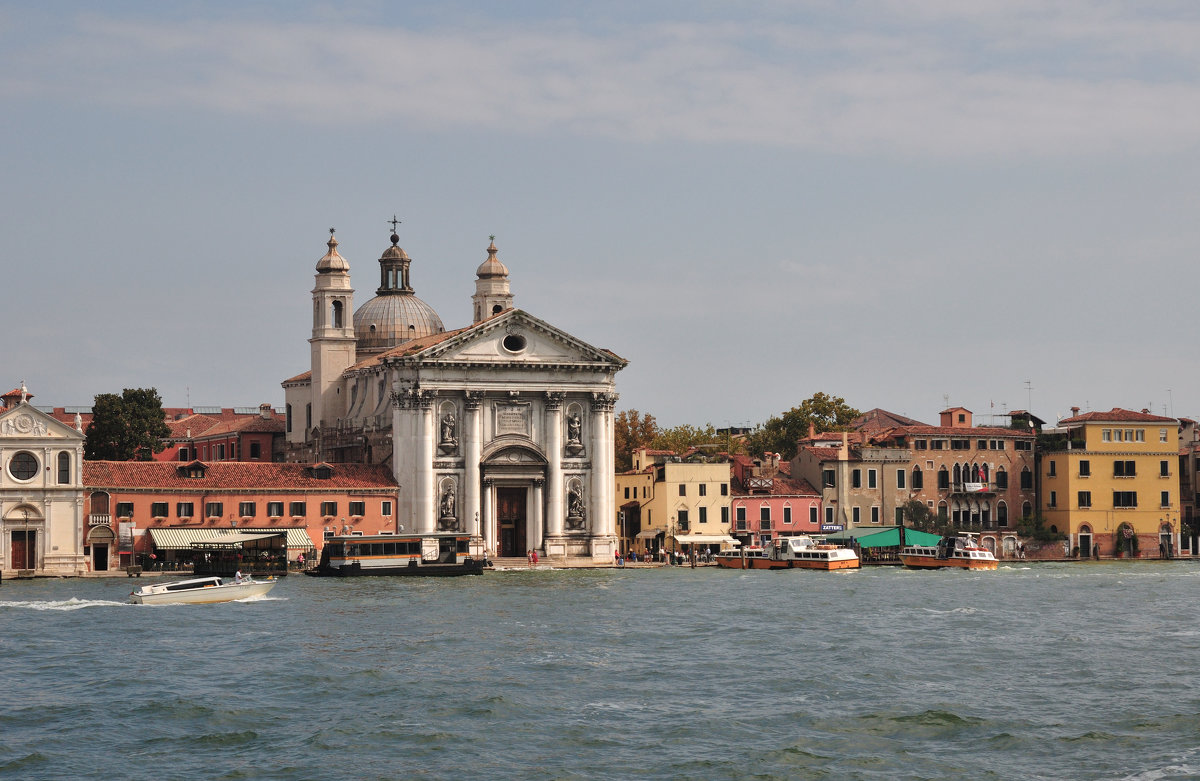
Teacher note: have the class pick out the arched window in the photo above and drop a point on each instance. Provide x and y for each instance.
(1026, 510)
(1001, 515)
(1026, 480)
(99, 502)
(943, 511)
(944, 478)
(289, 418)
(957, 474)
(918, 481)
(64, 468)
(337, 314)
(1001, 479)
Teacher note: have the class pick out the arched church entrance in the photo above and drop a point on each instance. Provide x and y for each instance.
(514, 477)
(512, 519)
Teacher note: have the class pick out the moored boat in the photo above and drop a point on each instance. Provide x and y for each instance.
(959, 552)
(200, 591)
(397, 554)
(799, 552)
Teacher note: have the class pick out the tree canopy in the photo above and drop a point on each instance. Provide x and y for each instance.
(633, 430)
(780, 433)
(129, 427)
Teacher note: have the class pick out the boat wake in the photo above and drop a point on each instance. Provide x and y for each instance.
(68, 604)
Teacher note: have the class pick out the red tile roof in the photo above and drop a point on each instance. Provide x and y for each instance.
(1117, 415)
(967, 433)
(233, 475)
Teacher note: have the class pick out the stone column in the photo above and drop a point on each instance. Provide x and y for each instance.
(536, 519)
(426, 504)
(603, 500)
(554, 513)
(472, 448)
(488, 520)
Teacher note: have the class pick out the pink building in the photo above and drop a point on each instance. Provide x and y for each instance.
(768, 504)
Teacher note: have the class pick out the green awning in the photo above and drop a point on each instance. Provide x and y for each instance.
(884, 538)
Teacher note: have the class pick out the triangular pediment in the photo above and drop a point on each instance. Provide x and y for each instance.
(24, 421)
(516, 338)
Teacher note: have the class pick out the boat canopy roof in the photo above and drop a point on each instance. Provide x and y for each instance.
(885, 538)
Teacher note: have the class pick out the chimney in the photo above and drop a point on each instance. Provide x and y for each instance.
(1074, 411)
(265, 411)
(1145, 412)
(812, 430)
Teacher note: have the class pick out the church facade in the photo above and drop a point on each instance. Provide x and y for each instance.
(502, 428)
(41, 494)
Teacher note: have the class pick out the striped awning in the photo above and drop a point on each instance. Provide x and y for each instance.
(183, 539)
(705, 539)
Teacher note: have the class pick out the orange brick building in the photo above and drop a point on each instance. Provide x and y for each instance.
(310, 501)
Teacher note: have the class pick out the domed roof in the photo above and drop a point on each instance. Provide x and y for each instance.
(390, 320)
(492, 267)
(395, 315)
(332, 261)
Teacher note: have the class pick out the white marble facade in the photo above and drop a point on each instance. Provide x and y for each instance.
(503, 428)
(41, 494)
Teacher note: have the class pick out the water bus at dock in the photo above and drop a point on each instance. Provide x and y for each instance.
(959, 552)
(799, 552)
(397, 554)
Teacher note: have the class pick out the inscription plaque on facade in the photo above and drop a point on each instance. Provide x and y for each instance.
(512, 419)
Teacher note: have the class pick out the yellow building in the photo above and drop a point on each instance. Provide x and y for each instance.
(672, 502)
(1113, 483)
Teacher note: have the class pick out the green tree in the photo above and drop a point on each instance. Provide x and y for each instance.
(631, 430)
(780, 433)
(917, 515)
(680, 438)
(129, 427)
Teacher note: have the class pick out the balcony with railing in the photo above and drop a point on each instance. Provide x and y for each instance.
(99, 519)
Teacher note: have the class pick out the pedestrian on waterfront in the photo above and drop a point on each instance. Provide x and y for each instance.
(535, 558)
(529, 557)
(1096, 552)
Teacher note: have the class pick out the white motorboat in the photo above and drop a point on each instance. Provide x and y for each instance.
(199, 591)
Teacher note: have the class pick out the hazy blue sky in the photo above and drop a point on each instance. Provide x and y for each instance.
(899, 203)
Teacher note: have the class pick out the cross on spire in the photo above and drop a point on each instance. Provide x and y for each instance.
(394, 222)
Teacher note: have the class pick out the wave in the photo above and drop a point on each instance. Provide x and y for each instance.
(66, 604)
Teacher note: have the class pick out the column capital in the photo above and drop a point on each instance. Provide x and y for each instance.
(555, 399)
(603, 402)
(473, 399)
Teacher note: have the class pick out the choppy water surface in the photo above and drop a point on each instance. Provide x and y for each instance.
(1073, 671)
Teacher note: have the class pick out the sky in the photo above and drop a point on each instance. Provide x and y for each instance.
(909, 205)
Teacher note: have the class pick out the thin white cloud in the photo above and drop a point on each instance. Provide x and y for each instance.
(941, 81)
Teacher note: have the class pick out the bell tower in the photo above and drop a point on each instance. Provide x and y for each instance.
(492, 295)
(333, 346)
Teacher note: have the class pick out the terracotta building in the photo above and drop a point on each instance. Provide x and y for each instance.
(141, 500)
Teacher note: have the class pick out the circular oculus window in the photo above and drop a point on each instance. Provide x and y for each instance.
(23, 466)
(514, 343)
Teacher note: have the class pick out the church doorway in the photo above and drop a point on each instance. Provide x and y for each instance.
(510, 516)
(23, 549)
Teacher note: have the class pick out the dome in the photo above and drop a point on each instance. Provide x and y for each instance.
(390, 320)
(492, 267)
(332, 261)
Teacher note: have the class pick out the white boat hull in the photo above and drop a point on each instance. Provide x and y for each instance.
(202, 595)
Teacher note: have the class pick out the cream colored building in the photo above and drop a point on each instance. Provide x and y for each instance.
(41, 494)
(502, 428)
(670, 502)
